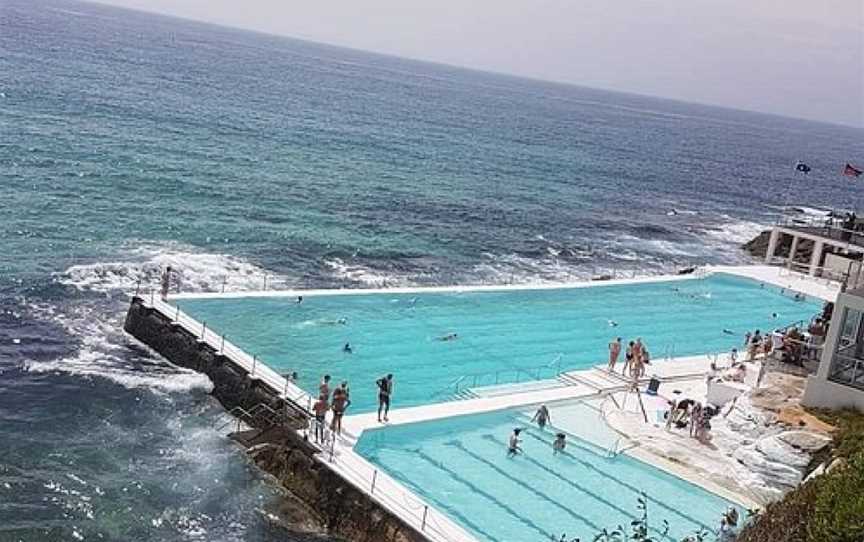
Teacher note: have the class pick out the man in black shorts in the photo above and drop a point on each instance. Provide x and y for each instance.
(385, 389)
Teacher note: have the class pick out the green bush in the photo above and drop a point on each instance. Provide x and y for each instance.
(838, 510)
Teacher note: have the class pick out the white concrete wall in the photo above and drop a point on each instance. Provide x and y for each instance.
(821, 392)
(826, 394)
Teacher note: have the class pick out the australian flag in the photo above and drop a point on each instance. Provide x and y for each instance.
(802, 167)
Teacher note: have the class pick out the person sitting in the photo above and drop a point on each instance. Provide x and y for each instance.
(767, 345)
(739, 373)
(817, 332)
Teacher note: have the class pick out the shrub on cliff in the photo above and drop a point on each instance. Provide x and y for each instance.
(828, 508)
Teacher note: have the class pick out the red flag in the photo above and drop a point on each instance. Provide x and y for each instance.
(850, 171)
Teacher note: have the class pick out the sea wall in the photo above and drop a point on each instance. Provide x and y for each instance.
(319, 499)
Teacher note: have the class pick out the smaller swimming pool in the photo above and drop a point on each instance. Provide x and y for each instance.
(460, 465)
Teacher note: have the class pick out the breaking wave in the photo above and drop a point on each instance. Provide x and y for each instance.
(193, 272)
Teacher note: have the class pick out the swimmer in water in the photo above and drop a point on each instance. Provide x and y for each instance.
(774, 315)
(347, 348)
(612, 323)
(449, 337)
(559, 444)
(728, 331)
(513, 448)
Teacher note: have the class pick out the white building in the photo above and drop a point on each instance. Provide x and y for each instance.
(836, 253)
(839, 382)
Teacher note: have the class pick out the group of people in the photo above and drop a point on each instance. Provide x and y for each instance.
(691, 414)
(636, 357)
(542, 418)
(338, 403)
(790, 345)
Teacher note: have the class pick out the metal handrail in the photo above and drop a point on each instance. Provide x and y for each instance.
(517, 371)
(292, 394)
(423, 515)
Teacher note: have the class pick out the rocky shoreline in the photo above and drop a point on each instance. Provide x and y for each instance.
(318, 501)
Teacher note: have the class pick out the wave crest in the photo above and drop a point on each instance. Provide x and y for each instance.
(193, 272)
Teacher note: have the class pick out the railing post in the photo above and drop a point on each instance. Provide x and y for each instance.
(254, 363)
(374, 479)
(177, 315)
(222, 345)
(425, 513)
(224, 280)
(265, 282)
(137, 286)
(152, 300)
(203, 330)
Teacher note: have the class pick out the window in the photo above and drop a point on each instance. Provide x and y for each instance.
(847, 364)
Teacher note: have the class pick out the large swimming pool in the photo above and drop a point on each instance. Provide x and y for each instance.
(460, 465)
(501, 335)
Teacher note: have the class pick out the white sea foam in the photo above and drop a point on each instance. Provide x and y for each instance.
(515, 269)
(736, 231)
(193, 271)
(104, 352)
(366, 276)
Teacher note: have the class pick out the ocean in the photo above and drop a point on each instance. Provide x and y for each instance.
(131, 141)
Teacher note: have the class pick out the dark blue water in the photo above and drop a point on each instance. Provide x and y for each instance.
(130, 141)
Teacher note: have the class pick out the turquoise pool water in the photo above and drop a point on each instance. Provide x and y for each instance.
(498, 332)
(460, 466)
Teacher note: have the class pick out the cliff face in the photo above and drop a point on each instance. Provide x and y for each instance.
(318, 500)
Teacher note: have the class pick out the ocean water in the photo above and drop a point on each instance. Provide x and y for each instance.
(503, 336)
(131, 141)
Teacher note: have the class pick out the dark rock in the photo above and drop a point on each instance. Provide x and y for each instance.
(318, 499)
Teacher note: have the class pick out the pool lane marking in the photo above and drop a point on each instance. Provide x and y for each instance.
(631, 487)
(527, 522)
(458, 445)
(576, 486)
(417, 490)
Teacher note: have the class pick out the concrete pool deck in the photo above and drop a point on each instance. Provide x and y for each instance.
(777, 276)
(586, 384)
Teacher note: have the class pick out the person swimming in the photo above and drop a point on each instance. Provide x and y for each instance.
(347, 348)
(559, 443)
(449, 337)
(612, 323)
(299, 299)
(728, 331)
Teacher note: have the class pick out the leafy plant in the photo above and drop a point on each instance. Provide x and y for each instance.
(639, 530)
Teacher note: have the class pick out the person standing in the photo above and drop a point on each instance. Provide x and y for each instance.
(628, 357)
(320, 409)
(385, 390)
(513, 447)
(340, 405)
(324, 387)
(614, 352)
(542, 417)
(166, 283)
